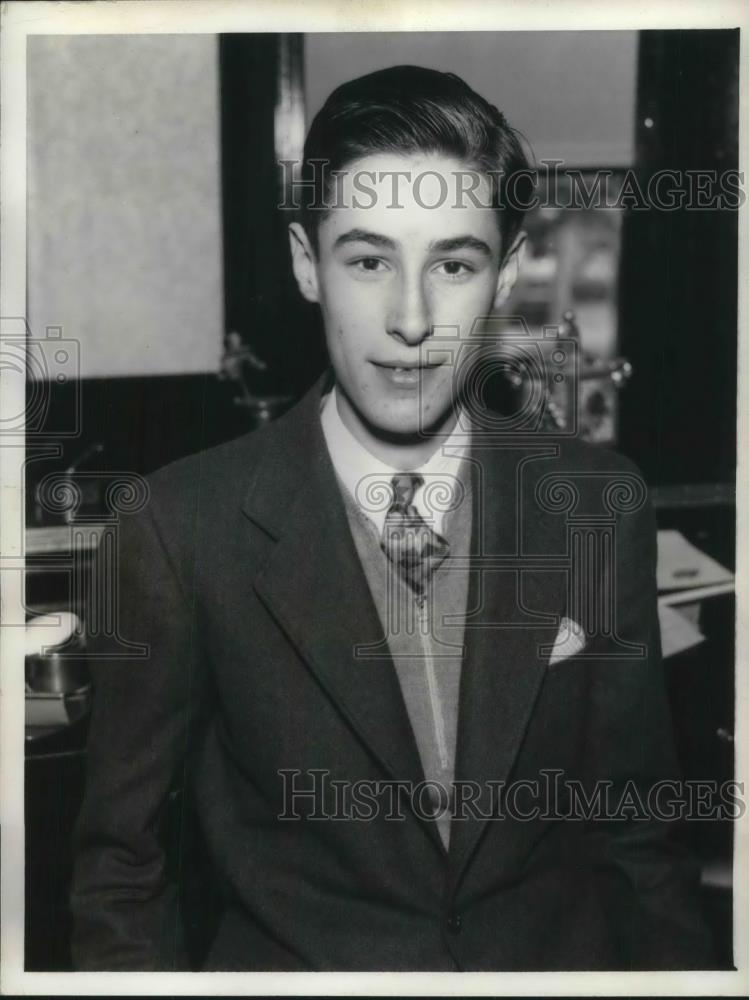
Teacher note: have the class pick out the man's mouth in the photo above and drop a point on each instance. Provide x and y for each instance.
(404, 373)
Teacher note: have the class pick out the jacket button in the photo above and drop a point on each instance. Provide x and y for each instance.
(454, 922)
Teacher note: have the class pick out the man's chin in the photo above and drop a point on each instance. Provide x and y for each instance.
(409, 424)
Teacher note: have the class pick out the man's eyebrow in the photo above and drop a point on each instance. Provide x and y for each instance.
(441, 246)
(461, 243)
(365, 236)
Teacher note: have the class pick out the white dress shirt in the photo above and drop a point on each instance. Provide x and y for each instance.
(369, 480)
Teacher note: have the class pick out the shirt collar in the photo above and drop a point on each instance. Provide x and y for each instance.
(368, 479)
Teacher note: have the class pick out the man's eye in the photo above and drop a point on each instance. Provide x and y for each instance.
(455, 268)
(370, 264)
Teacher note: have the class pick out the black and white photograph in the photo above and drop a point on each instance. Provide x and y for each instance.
(369, 438)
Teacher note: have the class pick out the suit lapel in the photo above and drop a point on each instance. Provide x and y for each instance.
(510, 615)
(316, 589)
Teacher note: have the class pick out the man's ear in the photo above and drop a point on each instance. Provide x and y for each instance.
(508, 273)
(303, 262)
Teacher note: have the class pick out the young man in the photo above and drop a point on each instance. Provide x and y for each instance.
(370, 661)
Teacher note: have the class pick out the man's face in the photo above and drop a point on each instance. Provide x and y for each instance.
(388, 278)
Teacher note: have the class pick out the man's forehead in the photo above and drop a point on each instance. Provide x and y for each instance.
(422, 198)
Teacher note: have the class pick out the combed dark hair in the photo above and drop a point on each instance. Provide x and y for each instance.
(409, 109)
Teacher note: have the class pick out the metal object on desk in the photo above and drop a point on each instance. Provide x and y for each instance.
(598, 382)
(579, 390)
(58, 687)
(241, 366)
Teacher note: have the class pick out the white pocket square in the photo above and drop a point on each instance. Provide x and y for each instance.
(570, 641)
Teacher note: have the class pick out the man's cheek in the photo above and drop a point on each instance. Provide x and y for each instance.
(466, 305)
(350, 346)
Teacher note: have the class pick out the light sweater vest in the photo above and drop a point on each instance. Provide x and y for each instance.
(425, 643)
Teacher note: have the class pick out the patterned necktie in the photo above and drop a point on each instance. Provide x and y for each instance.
(407, 540)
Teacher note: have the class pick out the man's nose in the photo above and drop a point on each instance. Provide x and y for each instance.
(409, 315)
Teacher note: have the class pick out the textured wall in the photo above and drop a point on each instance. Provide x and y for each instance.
(571, 92)
(124, 241)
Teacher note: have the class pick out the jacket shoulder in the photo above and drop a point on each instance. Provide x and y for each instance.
(602, 478)
(222, 474)
(217, 467)
(585, 456)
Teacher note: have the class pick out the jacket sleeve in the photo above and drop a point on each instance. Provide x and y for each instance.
(124, 906)
(650, 879)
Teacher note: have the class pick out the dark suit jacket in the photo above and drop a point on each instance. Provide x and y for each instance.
(242, 578)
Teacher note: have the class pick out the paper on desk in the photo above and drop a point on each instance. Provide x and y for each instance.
(677, 632)
(682, 565)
